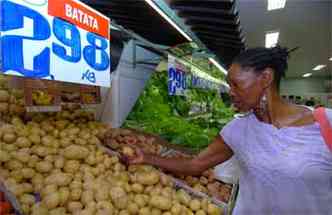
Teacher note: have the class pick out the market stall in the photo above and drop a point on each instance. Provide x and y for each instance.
(64, 91)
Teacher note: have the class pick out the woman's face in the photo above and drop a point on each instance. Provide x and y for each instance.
(246, 88)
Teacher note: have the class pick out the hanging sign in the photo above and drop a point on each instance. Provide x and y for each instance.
(180, 79)
(62, 40)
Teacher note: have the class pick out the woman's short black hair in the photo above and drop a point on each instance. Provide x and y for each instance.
(260, 58)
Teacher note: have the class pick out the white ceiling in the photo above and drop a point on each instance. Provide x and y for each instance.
(303, 23)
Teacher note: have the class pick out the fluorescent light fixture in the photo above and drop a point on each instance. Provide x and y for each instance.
(307, 75)
(275, 4)
(218, 65)
(318, 67)
(170, 21)
(271, 39)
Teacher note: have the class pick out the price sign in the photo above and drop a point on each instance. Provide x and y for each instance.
(177, 77)
(62, 40)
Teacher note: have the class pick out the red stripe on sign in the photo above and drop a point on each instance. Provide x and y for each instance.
(80, 15)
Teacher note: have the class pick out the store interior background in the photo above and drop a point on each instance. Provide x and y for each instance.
(303, 23)
(306, 24)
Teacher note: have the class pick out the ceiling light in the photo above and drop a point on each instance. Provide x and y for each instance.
(318, 67)
(330, 59)
(275, 4)
(271, 39)
(218, 65)
(170, 21)
(307, 75)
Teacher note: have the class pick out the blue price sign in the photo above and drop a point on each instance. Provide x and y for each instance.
(38, 45)
(177, 81)
(177, 77)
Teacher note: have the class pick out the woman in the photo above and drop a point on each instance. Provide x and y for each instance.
(286, 167)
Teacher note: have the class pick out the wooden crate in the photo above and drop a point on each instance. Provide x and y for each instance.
(50, 87)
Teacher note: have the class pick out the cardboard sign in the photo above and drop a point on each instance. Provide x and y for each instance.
(62, 40)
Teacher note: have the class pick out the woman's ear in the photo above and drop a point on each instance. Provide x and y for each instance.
(267, 77)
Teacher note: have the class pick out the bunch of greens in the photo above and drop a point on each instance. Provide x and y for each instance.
(171, 117)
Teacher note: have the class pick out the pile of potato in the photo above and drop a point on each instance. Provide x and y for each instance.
(11, 100)
(53, 166)
(120, 139)
(206, 183)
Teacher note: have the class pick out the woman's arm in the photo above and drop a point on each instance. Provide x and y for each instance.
(217, 152)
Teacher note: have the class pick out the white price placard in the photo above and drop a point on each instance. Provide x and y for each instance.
(63, 40)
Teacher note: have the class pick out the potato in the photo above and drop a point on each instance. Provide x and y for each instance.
(76, 194)
(74, 206)
(64, 142)
(117, 192)
(23, 142)
(9, 137)
(4, 156)
(58, 211)
(140, 200)
(183, 197)
(37, 179)
(104, 205)
(9, 147)
(75, 184)
(167, 192)
(64, 194)
(200, 212)
(137, 188)
(80, 141)
(156, 211)
(71, 166)
(161, 202)
(205, 204)
(133, 208)
(34, 138)
(34, 159)
(144, 211)
(75, 152)
(59, 179)
(91, 159)
(124, 212)
(195, 205)
(166, 180)
(213, 209)
(28, 172)
(121, 203)
(148, 178)
(40, 151)
(59, 162)
(44, 166)
(104, 212)
(128, 151)
(48, 189)
(176, 209)
(14, 165)
(39, 209)
(17, 175)
(22, 156)
(101, 194)
(87, 196)
(52, 200)
(27, 199)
